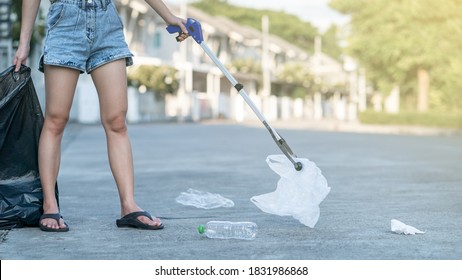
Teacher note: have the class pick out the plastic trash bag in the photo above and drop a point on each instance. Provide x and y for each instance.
(21, 121)
(204, 200)
(298, 193)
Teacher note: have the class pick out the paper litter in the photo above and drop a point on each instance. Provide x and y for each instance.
(402, 228)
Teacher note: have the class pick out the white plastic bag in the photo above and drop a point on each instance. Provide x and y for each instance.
(204, 200)
(298, 193)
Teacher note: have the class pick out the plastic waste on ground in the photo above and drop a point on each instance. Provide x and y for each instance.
(298, 193)
(401, 228)
(21, 121)
(204, 200)
(229, 230)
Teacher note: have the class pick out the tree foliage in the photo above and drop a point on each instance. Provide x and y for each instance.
(158, 79)
(245, 65)
(295, 80)
(394, 39)
(330, 44)
(286, 26)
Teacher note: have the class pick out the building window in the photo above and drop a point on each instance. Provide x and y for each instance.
(157, 40)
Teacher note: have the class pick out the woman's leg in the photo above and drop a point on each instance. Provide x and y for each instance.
(60, 86)
(111, 83)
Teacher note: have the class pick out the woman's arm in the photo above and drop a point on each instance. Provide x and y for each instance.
(29, 14)
(170, 19)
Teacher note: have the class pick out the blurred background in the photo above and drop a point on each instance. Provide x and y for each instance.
(362, 61)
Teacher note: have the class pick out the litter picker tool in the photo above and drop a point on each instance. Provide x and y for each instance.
(195, 31)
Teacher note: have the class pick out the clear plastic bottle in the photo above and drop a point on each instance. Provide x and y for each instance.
(228, 230)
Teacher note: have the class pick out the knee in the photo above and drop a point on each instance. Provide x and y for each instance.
(116, 124)
(55, 124)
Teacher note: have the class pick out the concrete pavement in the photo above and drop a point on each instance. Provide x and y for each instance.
(373, 178)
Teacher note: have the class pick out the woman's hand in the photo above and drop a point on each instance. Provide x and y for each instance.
(182, 24)
(21, 56)
(29, 14)
(164, 12)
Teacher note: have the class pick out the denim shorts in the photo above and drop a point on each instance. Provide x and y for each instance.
(83, 35)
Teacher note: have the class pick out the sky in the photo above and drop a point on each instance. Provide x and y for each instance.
(317, 12)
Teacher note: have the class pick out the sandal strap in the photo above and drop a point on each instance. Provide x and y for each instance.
(135, 215)
(55, 216)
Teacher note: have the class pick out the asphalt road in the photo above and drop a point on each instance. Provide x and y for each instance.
(373, 178)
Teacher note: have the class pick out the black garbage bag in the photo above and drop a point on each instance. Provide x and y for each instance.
(21, 120)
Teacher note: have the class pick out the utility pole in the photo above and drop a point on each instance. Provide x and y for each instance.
(181, 93)
(266, 67)
(265, 57)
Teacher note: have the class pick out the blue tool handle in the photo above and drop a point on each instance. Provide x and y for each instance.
(173, 29)
(194, 29)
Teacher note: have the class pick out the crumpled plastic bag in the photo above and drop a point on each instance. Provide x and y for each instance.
(298, 193)
(402, 228)
(204, 200)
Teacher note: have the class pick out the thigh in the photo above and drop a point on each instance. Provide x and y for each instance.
(60, 83)
(111, 84)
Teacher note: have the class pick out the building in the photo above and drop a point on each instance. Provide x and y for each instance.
(6, 47)
(203, 90)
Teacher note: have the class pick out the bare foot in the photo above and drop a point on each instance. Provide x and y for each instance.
(139, 219)
(52, 222)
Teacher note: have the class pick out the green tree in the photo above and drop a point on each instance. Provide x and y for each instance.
(409, 43)
(330, 44)
(158, 79)
(286, 26)
(295, 81)
(246, 65)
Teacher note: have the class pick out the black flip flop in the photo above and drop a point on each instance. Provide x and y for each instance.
(56, 217)
(131, 220)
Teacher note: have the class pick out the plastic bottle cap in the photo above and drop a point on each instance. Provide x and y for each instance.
(201, 229)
